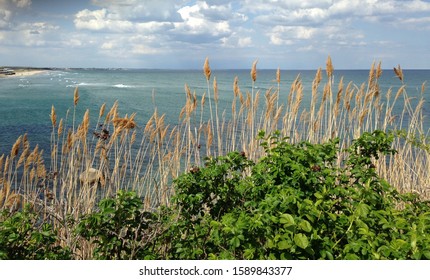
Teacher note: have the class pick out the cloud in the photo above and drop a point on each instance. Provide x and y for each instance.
(35, 34)
(5, 16)
(128, 30)
(8, 9)
(237, 40)
(143, 11)
(101, 20)
(22, 3)
(201, 19)
(198, 23)
(329, 24)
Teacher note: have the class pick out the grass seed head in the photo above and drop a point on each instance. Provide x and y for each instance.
(15, 148)
(102, 110)
(207, 69)
(53, 116)
(399, 73)
(236, 88)
(215, 90)
(254, 71)
(76, 96)
(329, 67)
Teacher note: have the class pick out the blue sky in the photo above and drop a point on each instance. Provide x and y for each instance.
(290, 34)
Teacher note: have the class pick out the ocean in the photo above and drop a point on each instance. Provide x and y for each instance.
(25, 102)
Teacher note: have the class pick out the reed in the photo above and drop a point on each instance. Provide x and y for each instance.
(120, 153)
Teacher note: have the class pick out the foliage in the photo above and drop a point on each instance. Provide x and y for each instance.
(296, 203)
(23, 235)
(121, 229)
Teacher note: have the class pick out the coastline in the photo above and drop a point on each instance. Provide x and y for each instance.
(24, 72)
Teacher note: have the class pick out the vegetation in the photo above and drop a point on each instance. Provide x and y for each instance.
(332, 181)
(295, 203)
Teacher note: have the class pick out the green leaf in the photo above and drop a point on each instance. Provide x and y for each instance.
(329, 255)
(402, 223)
(351, 257)
(332, 216)
(287, 220)
(363, 231)
(318, 195)
(426, 255)
(235, 242)
(362, 209)
(270, 244)
(398, 244)
(301, 240)
(305, 225)
(283, 245)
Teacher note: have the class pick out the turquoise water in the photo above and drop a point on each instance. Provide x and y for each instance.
(25, 102)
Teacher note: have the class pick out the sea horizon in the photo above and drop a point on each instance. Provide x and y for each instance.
(54, 68)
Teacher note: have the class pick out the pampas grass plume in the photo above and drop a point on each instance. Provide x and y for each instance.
(53, 116)
(329, 67)
(254, 71)
(76, 96)
(207, 69)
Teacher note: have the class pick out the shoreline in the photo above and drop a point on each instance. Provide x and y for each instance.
(24, 72)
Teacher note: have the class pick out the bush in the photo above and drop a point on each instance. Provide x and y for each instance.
(121, 229)
(24, 236)
(296, 203)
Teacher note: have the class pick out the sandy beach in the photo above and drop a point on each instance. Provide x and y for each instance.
(22, 72)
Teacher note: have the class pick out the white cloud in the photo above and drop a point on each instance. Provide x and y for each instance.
(288, 35)
(108, 45)
(22, 3)
(101, 20)
(207, 23)
(8, 9)
(201, 20)
(5, 16)
(153, 27)
(142, 49)
(34, 34)
(148, 10)
(244, 42)
(237, 40)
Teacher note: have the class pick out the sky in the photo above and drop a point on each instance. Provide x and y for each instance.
(168, 34)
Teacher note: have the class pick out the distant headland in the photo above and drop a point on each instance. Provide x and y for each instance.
(6, 71)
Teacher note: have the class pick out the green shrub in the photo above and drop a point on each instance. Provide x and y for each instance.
(121, 229)
(296, 203)
(24, 236)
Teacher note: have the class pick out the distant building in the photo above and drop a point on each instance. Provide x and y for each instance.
(7, 71)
